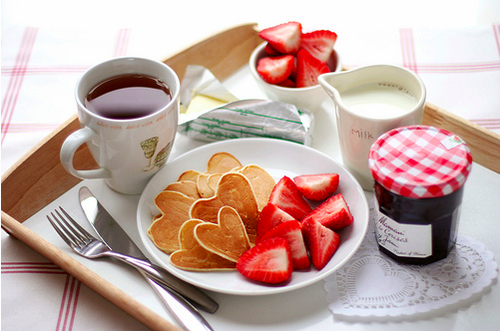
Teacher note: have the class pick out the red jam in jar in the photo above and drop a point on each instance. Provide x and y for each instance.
(419, 173)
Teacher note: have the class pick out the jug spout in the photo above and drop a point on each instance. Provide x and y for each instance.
(332, 82)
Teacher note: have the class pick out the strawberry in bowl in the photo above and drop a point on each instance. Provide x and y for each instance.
(287, 65)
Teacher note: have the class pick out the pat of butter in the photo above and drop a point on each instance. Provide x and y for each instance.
(201, 103)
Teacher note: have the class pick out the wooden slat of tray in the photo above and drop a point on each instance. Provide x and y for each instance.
(88, 277)
(222, 54)
(484, 144)
(39, 178)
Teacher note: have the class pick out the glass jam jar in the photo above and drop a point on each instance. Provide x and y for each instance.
(419, 173)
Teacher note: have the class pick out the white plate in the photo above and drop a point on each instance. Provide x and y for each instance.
(279, 158)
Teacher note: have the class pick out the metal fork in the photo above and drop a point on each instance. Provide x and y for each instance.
(86, 245)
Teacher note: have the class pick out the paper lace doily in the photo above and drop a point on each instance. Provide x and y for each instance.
(373, 285)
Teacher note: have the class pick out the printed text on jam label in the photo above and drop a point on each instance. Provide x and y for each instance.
(408, 240)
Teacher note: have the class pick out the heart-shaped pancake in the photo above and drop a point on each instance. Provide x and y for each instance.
(222, 162)
(192, 256)
(207, 184)
(262, 183)
(233, 190)
(189, 175)
(164, 231)
(186, 187)
(228, 238)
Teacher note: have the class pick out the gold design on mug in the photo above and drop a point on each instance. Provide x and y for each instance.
(161, 157)
(149, 148)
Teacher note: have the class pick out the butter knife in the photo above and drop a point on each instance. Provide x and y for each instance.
(117, 239)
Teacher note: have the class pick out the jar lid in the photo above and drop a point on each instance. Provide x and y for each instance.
(420, 161)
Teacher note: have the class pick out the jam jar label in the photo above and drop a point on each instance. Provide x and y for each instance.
(406, 240)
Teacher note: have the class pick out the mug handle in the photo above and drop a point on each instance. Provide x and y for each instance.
(68, 150)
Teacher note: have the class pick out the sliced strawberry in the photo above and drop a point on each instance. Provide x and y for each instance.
(317, 187)
(319, 43)
(285, 38)
(333, 213)
(291, 231)
(294, 71)
(271, 51)
(287, 83)
(269, 217)
(321, 241)
(269, 261)
(287, 196)
(308, 69)
(276, 69)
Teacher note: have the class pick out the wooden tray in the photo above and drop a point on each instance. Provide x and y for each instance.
(38, 178)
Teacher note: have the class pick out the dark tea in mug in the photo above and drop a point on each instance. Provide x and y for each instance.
(128, 96)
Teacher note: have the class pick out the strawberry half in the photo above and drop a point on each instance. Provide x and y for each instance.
(269, 217)
(291, 231)
(308, 69)
(275, 70)
(269, 261)
(270, 50)
(317, 187)
(321, 241)
(287, 83)
(319, 43)
(285, 38)
(286, 195)
(333, 213)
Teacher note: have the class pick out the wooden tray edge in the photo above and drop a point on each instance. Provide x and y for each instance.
(223, 53)
(484, 144)
(27, 186)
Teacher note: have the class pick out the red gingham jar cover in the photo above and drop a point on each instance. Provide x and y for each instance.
(420, 161)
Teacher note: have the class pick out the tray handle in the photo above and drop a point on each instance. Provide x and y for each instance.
(38, 178)
(483, 143)
(85, 275)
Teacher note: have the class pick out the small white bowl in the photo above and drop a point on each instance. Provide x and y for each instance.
(309, 98)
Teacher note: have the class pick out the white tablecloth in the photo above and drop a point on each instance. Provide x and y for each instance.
(46, 46)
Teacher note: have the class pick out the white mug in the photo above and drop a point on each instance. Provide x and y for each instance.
(370, 101)
(128, 151)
